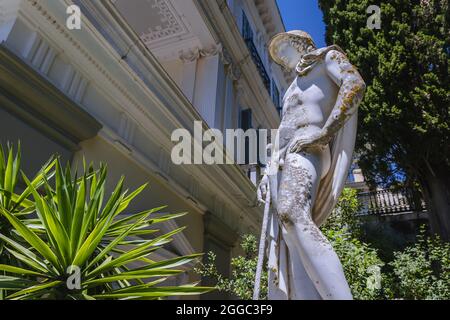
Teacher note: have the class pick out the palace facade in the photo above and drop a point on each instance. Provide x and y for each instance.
(136, 70)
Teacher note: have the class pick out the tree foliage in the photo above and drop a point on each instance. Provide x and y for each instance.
(405, 114)
(404, 128)
(344, 214)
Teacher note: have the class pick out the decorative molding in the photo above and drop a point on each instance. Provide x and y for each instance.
(160, 92)
(157, 21)
(169, 27)
(25, 93)
(245, 185)
(126, 128)
(211, 51)
(223, 22)
(191, 55)
(95, 64)
(241, 89)
(225, 57)
(265, 14)
(234, 72)
(40, 51)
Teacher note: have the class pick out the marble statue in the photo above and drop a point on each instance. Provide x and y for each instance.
(309, 163)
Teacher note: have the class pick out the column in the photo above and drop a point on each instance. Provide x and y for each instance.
(189, 70)
(206, 84)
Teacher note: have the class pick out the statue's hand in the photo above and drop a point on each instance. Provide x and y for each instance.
(314, 140)
(263, 187)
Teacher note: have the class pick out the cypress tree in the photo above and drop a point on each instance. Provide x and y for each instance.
(404, 127)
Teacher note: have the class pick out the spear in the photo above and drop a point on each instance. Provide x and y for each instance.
(262, 243)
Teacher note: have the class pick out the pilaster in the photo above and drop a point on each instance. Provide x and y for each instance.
(9, 12)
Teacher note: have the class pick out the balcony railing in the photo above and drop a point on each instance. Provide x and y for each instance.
(259, 64)
(382, 202)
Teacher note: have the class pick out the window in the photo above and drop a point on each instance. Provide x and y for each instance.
(276, 97)
(247, 32)
(246, 119)
(246, 123)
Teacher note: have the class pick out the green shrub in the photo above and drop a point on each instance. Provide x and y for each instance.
(422, 270)
(362, 266)
(242, 280)
(361, 263)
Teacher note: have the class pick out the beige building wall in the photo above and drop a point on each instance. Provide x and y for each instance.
(97, 150)
(98, 92)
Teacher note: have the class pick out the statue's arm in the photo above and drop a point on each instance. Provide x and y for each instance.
(351, 92)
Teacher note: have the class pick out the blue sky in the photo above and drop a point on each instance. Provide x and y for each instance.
(303, 15)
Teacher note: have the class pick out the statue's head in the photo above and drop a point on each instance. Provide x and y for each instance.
(287, 48)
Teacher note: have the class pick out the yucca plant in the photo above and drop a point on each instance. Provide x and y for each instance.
(11, 200)
(86, 250)
(16, 203)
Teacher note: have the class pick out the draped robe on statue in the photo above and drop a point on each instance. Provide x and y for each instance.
(330, 188)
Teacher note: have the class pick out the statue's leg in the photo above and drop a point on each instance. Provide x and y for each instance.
(296, 195)
(300, 284)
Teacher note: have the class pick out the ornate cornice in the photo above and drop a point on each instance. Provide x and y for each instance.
(173, 27)
(211, 51)
(190, 55)
(196, 53)
(232, 69)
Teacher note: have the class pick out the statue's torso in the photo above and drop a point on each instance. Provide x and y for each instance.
(307, 104)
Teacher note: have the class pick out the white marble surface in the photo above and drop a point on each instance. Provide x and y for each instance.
(310, 160)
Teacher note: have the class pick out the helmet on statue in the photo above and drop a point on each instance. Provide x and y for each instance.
(300, 40)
